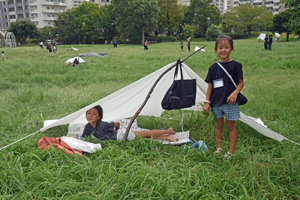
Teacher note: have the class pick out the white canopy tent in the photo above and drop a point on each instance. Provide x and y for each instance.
(262, 36)
(71, 60)
(125, 102)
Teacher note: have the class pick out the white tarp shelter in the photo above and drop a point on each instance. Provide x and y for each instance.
(125, 102)
(262, 36)
(71, 60)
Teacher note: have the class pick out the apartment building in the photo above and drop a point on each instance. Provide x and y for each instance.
(40, 12)
(274, 6)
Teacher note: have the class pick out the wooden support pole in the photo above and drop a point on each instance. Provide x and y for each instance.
(151, 90)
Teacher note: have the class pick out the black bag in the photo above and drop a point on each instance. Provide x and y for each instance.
(181, 94)
(241, 99)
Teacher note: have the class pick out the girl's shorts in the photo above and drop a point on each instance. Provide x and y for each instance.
(121, 133)
(231, 111)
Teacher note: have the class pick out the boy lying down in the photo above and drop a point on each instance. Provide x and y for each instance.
(111, 130)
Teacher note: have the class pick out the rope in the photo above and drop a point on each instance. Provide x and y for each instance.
(19, 140)
(292, 141)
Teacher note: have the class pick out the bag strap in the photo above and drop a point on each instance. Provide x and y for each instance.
(226, 73)
(178, 65)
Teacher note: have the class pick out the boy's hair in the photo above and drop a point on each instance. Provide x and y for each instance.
(2, 51)
(100, 111)
(224, 37)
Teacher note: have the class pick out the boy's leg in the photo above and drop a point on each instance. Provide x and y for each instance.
(232, 135)
(219, 132)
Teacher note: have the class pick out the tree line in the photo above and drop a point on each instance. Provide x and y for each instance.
(133, 20)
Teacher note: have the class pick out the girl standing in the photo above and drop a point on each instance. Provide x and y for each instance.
(222, 94)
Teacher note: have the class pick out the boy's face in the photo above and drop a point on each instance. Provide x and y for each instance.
(93, 116)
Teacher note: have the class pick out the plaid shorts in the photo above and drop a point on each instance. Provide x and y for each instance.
(231, 111)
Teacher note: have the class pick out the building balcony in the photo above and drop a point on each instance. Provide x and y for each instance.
(269, 1)
(12, 13)
(269, 5)
(276, 7)
(51, 11)
(12, 20)
(47, 3)
(11, 5)
(275, 13)
(49, 18)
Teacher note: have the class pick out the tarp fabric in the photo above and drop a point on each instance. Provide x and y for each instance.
(125, 102)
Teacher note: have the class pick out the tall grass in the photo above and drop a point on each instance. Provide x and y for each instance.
(37, 86)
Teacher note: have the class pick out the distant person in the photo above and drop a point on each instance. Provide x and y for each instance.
(75, 62)
(181, 45)
(3, 56)
(49, 47)
(54, 48)
(146, 45)
(270, 41)
(266, 41)
(277, 37)
(189, 43)
(41, 45)
(115, 43)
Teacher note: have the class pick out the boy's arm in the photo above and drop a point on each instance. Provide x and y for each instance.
(232, 97)
(117, 125)
(208, 93)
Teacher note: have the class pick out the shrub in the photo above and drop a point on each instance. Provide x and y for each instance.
(212, 33)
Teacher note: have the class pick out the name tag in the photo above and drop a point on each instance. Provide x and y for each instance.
(218, 83)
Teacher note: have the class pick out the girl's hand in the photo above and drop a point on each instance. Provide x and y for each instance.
(206, 107)
(232, 98)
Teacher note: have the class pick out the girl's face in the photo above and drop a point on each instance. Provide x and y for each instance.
(93, 116)
(224, 49)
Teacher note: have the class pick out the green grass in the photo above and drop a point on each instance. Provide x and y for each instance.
(37, 86)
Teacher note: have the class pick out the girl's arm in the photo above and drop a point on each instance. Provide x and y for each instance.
(208, 93)
(117, 125)
(232, 97)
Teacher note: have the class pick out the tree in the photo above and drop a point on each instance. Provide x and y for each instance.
(198, 12)
(134, 18)
(189, 30)
(294, 22)
(247, 17)
(170, 16)
(23, 29)
(281, 23)
(88, 20)
(212, 33)
(86, 23)
(66, 28)
(109, 22)
(44, 32)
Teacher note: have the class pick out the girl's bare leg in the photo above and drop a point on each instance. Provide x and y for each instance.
(232, 135)
(157, 134)
(219, 132)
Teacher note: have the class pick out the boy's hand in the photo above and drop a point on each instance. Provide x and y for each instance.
(206, 107)
(232, 98)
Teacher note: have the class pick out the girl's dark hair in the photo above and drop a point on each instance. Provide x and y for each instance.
(100, 111)
(224, 37)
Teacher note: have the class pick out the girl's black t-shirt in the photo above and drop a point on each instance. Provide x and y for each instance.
(219, 95)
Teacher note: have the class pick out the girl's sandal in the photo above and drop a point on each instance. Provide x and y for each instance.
(229, 155)
(219, 150)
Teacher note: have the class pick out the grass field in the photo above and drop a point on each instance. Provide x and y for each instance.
(37, 86)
